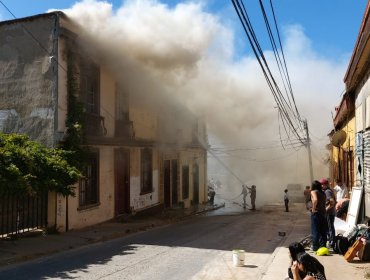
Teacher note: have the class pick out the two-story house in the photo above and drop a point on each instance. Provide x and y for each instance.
(141, 157)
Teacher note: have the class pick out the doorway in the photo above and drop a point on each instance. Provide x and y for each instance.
(122, 181)
(195, 184)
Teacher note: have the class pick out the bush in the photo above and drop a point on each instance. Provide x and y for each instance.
(28, 167)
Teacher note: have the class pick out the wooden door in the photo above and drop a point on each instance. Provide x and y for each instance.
(122, 181)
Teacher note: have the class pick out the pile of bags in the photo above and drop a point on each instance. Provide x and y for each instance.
(354, 242)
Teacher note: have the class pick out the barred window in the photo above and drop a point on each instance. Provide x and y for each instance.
(89, 184)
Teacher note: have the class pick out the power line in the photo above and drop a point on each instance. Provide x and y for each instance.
(288, 116)
(282, 52)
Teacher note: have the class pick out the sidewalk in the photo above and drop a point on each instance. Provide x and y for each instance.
(336, 267)
(37, 244)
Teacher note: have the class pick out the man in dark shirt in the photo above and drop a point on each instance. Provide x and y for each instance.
(318, 216)
(330, 209)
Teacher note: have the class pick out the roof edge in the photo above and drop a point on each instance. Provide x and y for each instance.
(364, 20)
(16, 20)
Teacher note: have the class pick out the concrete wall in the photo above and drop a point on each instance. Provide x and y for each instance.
(79, 218)
(28, 79)
(145, 123)
(142, 201)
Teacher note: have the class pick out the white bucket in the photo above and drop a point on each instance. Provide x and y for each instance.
(238, 257)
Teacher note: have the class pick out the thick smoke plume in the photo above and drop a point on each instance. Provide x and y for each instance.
(186, 55)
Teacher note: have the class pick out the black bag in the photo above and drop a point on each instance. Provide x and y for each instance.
(341, 244)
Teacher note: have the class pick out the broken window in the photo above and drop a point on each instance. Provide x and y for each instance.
(146, 171)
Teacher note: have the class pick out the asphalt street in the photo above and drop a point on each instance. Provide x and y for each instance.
(197, 248)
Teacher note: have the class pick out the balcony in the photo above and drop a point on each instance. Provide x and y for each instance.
(94, 125)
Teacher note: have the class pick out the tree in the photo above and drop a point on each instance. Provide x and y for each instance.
(28, 167)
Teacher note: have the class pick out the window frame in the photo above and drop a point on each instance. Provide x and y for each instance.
(89, 189)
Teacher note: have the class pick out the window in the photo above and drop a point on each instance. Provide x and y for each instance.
(90, 96)
(121, 105)
(146, 171)
(89, 185)
(185, 182)
(89, 84)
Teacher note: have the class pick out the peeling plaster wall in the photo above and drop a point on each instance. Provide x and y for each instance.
(105, 210)
(138, 201)
(145, 124)
(28, 78)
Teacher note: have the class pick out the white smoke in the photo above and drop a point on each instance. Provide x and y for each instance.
(188, 53)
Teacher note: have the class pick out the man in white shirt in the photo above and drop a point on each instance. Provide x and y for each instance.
(341, 190)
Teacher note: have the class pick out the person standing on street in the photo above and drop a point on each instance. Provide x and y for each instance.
(307, 197)
(318, 216)
(253, 194)
(286, 200)
(211, 195)
(330, 209)
(244, 193)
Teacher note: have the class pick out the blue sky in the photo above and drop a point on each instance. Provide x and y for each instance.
(331, 25)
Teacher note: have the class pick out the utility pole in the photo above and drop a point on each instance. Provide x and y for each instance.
(308, 150)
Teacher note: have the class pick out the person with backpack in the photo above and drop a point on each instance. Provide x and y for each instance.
(330, 210)
(313, 269)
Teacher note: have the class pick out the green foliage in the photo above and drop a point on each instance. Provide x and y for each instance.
(75, 137)
(28, 167)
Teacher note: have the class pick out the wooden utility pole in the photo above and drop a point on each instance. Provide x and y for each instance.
(308, 150)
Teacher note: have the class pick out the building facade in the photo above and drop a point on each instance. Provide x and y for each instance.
(342, 146)
(140, 157)
(358, 87)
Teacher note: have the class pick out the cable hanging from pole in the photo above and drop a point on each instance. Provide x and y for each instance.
(288, 111)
